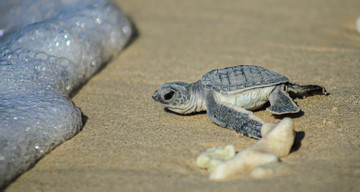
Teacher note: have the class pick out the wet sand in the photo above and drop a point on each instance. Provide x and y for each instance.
(129, 143)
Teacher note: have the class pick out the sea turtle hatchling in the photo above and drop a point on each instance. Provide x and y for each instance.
(230, 94)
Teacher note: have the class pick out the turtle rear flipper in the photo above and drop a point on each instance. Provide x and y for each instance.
(233, 117)
(281, 102)
(306, 90)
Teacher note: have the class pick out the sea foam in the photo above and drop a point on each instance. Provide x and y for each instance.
(47, 50)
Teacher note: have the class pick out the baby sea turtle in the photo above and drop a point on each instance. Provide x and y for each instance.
(230, 94)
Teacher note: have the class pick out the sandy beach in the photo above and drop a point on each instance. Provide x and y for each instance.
(130, 143)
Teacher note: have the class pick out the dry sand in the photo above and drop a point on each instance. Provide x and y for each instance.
(131, 144)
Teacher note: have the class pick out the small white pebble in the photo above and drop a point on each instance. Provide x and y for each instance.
(358, 25)
(326, 122)
(334, 109)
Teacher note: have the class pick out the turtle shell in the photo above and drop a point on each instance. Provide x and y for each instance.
(240, 78)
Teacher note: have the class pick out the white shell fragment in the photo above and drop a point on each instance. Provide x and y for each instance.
(214, 156)
(279, 140)
(245, 161)
(261, 172)
(276, 143)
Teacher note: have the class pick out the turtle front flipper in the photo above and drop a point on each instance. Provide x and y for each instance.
(281, 102)
(233, 117)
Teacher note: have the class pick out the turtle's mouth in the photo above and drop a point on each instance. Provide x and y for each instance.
(180, 109)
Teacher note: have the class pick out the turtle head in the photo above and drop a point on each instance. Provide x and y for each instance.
(175, 96)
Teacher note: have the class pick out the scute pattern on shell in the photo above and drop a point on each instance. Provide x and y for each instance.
(241, 77)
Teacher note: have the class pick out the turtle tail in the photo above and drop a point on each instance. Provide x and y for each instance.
(306, 90)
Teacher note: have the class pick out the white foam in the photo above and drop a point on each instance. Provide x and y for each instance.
(47, 50)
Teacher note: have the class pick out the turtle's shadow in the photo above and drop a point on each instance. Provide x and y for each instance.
(291, 115)
(299, 136)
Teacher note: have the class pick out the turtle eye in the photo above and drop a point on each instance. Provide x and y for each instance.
(169, 95)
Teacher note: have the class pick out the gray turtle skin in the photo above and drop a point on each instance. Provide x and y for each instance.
(230, 94)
